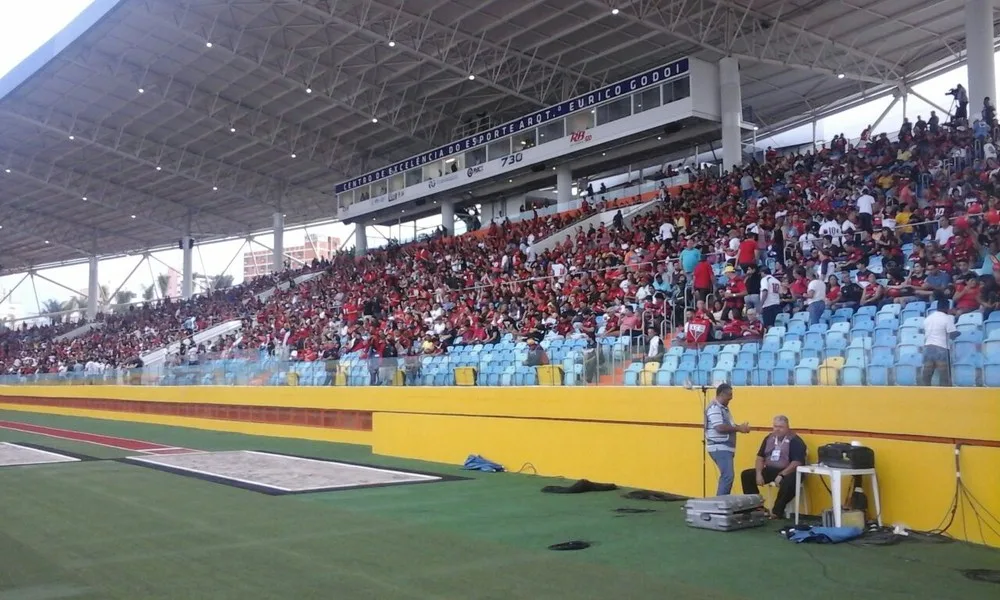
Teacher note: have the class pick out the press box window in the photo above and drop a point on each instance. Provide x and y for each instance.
(551, 131)
(612, 111)
(498, 149)
(677, 89)
(475, 157)
(645, 100)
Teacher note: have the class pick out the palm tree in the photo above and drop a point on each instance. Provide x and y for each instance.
(53, 306)
(220, 282)
(76, 304)
(123, 297)
(148, 292)
(105, 295)
(163, 283)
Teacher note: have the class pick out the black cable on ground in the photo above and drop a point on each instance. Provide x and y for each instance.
(571, 545)
(525, 467)
(656, 496)
(984, 575)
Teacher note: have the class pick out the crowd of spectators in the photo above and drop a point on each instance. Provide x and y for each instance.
(801, 231)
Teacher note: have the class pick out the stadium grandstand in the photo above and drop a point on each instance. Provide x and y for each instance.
(615, 243)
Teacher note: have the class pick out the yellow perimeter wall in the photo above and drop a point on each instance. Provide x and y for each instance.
(638, 437)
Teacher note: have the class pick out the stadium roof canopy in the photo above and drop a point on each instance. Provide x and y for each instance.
(164, 113)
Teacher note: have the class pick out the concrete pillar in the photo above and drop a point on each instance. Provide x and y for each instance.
(187, 265)
(564, 185)
(278, 257)
(732, 112)
(360, 240)
(93, 290)
(448, 216)
(979, 45)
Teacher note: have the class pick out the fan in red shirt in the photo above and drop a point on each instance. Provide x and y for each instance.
(698, 329)
(747, 253)
(736, 290)
(703, 278)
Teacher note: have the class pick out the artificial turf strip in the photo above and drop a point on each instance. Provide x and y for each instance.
(109, 530)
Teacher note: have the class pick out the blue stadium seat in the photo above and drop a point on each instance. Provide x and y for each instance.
(878, 374)
(739, 377)
(971, 318)
(906, 374)
(746, 361)
(964, 375)
(805, 371)
(852, 375)
(991, 373)
(720, 375)
(781, 375)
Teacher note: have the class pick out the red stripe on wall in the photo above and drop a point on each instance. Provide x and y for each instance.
(354, 420)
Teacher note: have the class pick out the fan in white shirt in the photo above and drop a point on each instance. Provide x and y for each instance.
(866, 204)
(667, 231)
(944, 234)
(806, 241)
(832, 228)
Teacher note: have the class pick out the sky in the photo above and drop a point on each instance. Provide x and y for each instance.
(27, 24)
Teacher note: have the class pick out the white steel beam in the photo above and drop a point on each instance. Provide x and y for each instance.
(247, 185)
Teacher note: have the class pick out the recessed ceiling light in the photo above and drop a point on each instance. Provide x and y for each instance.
(510, 181)
(159, 168)
(840, 75)
(46, 241)
(392, 44)
(72, 138)
(208, 44)
(215, 188)
(283, 215)
(614, 11)
(309, 90)
(553, 168)
(133, 216)
(755, 128)
(293, 155)
(374, 119)
(604, 153)
(659, 137)
(84, 198)
(232, 130)
(142, 91)
(472, 77)
(6, 170)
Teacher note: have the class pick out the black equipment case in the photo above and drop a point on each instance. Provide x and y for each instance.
(841, 455)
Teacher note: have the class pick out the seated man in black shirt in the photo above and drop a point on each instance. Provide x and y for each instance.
(781, 452)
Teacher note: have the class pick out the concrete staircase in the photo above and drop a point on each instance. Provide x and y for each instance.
(158, 356)
(284, 285)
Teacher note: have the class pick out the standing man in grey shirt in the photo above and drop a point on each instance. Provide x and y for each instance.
(720, 437)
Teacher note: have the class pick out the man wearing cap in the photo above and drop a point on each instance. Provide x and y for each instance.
(736, 291)
(536, 354)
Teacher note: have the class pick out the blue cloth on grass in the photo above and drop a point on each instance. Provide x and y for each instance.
(825, 535)
(476, 462)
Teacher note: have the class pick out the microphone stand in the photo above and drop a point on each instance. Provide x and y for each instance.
(704, 443)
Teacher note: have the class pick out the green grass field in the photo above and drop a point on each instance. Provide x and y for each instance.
(105, 530)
